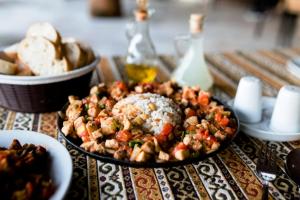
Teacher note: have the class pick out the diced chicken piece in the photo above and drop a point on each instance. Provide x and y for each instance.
(126, 123)
(189, 95)
(220, 135)
(108, 125)
(166, 88)
(120, 154)
(94, 98)
(163, 156)
(96, 134)
(182, 154)
(117, 94)
(74, 110)
(87, 145)
(148, 147)
(109, 104)
(93, 110)
(92, 146)
(110, 151)
(156, 145)
(72, 99)
(196, 146)
(215, 146)
(205, 124)
(100, 148)
(80, 128)
(187, 139)
(94, 90)
(97, 89)
(135, 153)
(139, 89)
(142, 157)
(91, 127)
(112, 144)
(68, 128)
(191, 121)
(103, 114)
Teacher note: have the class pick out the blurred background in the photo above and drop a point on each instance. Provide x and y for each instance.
(230, 24)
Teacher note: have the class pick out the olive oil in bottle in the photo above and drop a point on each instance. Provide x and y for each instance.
(141, 73)
(141, 60)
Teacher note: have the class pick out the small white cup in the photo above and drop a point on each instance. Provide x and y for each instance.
(247, 102)
(286, 114)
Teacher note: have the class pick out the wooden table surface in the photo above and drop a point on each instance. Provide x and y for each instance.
(229, 175)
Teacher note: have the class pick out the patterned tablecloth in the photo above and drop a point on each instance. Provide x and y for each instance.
(228, 175)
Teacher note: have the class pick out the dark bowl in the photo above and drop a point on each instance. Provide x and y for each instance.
(36, 94)
(76, 144)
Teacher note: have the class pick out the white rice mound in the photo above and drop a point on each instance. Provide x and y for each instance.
(166, 111)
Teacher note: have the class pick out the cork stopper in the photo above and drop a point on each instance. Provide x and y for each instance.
(141, 13)
(196, 23)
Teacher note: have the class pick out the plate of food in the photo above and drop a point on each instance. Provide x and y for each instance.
(148, 124)
(33, 166)
(39, 72)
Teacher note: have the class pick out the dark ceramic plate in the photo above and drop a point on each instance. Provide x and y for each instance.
(108, 159)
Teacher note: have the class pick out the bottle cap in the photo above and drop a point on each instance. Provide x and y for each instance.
(141, 15)
(196, 23)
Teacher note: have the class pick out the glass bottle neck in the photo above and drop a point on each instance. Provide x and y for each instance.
(197, 40)
(142, 27)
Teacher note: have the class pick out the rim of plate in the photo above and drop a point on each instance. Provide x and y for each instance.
(34, 137)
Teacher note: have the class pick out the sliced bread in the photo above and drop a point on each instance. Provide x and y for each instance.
(74, 54)
(44, 29)
(90, 56)
(87, 51)
(42, 56)
(7, 67)
(10, 53)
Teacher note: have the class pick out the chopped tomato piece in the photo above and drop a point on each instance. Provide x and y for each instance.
(123, 136)
(203, 98)
(29, 188)
(167, 129)
(191, 128)
(84, 133)
(190, 113)
(161, 138)
(121, 85)
(85, 138)
(212, 138)
(224, 121)
(204, 134)
(218, 117)
(179, 146)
